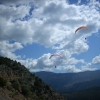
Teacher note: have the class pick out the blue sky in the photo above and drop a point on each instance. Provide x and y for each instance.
(32, 30)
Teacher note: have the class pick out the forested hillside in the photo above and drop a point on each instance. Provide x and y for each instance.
(17, 83)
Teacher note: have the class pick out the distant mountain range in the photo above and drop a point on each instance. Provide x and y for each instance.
(67, 82)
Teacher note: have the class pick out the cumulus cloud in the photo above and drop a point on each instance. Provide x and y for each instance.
(7, 49)
(71, 68)
(51, 23)
(87, 67)
(79, 1)
(96, 60)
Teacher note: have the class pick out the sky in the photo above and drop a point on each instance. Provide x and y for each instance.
(32, 30)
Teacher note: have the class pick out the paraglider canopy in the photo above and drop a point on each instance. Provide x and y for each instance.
(56, 55)
(82, 27)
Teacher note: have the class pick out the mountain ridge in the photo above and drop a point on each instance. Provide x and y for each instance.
(63, 82)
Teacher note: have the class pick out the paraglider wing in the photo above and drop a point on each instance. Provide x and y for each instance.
(82, 27)
(56, 55)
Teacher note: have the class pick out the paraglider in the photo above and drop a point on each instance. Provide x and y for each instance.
(82, 27)
(56, 55)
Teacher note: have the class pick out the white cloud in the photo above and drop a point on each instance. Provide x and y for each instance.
(71, 68)
(7, 49)
(88, 67)
(96, 60)
(79, 1)
(13, 12)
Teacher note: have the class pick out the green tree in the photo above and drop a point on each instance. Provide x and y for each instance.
(26, 90)
(3, 82)
(16, 85)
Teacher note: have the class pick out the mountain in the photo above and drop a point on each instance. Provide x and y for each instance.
(87, 94)
(17, 83)
(66, 82)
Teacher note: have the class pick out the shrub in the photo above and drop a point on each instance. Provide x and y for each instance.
(25, 90)
(16, 85)
(37, 84)
(47, 87)
(3, 82)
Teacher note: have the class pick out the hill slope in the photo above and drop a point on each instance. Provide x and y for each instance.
(64, 82)
(17, 83)
(88, 94)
